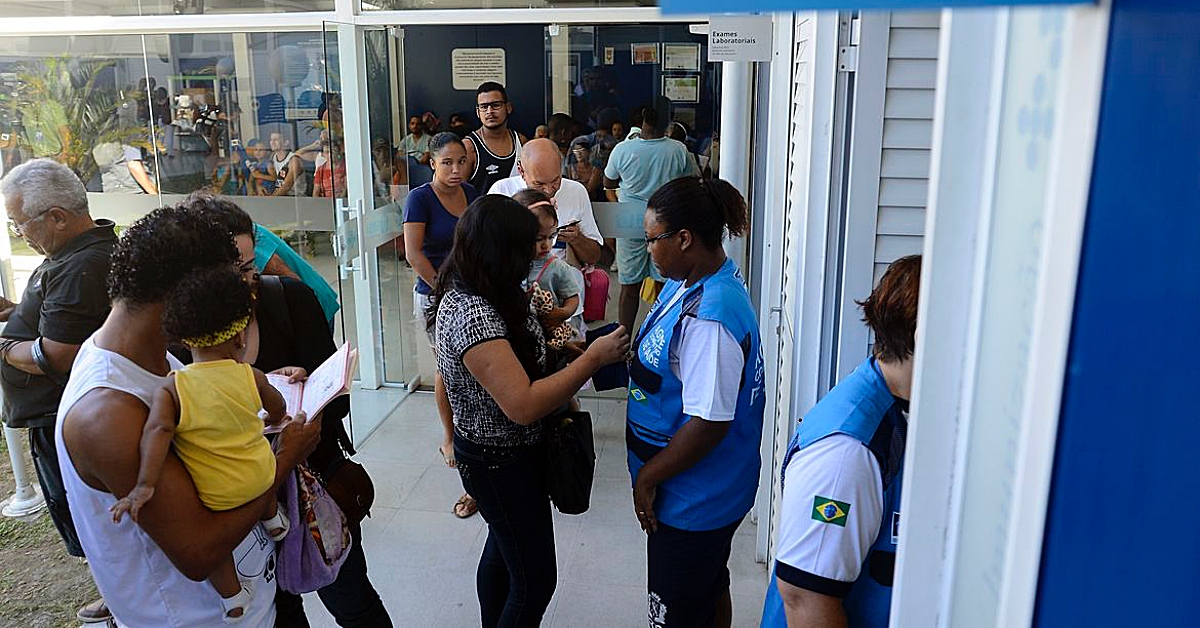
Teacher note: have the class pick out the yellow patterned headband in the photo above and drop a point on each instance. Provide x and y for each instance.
(216, 338)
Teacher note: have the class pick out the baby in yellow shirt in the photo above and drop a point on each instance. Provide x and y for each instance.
(211, 412)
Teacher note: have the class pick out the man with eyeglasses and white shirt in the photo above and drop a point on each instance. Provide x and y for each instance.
(492, 150)
(540, 168)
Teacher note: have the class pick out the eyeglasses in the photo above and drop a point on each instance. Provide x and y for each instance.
(18, 228)
(661, 236)
(493, 106)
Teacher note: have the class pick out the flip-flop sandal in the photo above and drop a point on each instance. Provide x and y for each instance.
(465, 507)
(279, 523)
(240, 600)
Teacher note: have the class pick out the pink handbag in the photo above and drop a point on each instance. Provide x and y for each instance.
(595, 294)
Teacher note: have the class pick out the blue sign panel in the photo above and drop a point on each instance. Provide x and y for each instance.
(765, 6)
(271, 108)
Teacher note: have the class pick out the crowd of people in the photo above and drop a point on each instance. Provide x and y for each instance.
(111, 357)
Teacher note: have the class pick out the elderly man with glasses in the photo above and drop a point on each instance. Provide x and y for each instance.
(540, 168)
(64, 302)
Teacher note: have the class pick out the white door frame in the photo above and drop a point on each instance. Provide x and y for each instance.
(770, 203)
(807, 198)
(959, 181)
(958, 228)
(862, 191)
(814, 224)
(1077, 117)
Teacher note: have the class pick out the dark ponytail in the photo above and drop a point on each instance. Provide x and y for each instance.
(706, 207)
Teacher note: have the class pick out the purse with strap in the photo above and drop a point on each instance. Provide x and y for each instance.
(312, 553)
(570, 461)
(350, 486)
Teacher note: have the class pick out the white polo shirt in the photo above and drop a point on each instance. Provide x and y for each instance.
(571, 199)
(837, 467)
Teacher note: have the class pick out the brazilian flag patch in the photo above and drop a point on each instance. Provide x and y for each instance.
(828, 510)
(637, 394)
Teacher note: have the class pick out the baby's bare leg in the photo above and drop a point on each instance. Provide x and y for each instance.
(225, 579)
(276, 527)
(271, 508)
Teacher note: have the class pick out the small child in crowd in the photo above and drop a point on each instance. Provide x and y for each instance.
(262, 170)
(227, 178)
(210, 412)
(553, 288)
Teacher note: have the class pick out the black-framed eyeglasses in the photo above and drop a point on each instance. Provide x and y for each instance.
(661, 236)
(494, 106)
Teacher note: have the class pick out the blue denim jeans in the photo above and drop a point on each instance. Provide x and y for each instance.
(517, 572)
(351, 599)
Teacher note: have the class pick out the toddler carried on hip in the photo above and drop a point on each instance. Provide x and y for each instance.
(211, 411)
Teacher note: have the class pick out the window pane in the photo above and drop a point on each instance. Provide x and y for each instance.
(396, 5)
(61, 8)
(146, 120)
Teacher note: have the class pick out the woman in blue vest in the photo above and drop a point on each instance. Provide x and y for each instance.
(839, 523)
(694, 419)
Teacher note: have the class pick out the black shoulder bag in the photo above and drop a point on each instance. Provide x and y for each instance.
(570, 460)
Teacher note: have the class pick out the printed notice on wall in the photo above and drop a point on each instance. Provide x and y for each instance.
(472, 66)
(742, 38)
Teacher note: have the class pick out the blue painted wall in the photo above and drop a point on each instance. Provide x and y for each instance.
(1122, 544)
(639, 85)
(430, 86)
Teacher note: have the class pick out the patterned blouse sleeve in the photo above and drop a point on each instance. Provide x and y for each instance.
(478, 322)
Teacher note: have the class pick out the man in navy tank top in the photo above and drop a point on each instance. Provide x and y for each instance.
(493, 149)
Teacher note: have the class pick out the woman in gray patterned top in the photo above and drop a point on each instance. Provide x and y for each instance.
(492, 357)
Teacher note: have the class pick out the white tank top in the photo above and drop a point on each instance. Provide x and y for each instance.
(299, 184)
(137, 580)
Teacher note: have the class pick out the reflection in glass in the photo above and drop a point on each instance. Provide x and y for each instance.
(397, 5)
(64, 8)
(143, 120)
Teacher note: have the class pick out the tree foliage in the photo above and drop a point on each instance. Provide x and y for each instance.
(63, 111)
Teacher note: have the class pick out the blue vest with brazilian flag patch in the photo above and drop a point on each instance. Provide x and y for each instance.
(862, 407)
(718, 490)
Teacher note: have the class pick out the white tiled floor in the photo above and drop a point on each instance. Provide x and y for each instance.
(422, 559)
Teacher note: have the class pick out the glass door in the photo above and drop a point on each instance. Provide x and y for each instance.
(362, 183)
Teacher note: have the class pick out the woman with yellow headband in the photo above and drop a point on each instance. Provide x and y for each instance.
(212, 412)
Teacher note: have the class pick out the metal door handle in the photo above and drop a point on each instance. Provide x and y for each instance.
(362, 239)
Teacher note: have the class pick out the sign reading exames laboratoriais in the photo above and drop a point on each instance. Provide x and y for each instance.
(740, 38)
